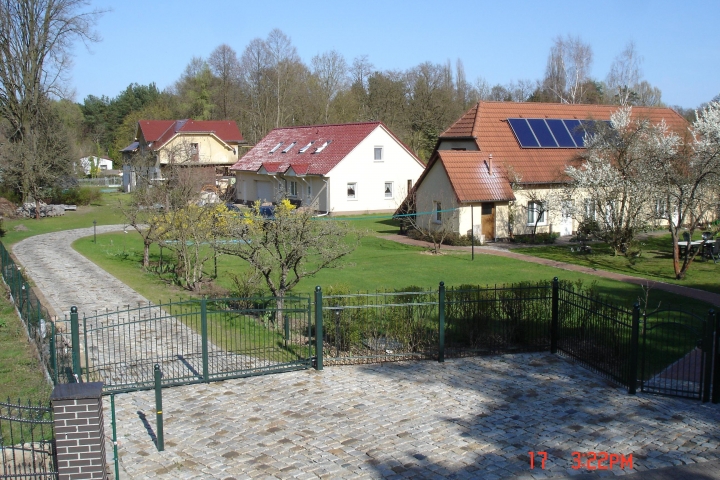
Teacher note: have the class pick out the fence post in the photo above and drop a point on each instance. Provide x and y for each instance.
(716, 362)
(158, 409)
(554, 322)
(53, 353)
(441, 321)
(634, 345)
(707, 349)
(114, 437)
(75, 335)
(79, 430)
(204, 334)
(318, 329)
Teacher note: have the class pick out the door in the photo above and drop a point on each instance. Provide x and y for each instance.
(488, 220)
(566, 221)
(264, 191)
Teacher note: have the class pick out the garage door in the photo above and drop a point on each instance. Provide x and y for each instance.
(265, 191)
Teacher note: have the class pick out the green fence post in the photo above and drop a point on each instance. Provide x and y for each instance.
(114, 437)
(318, 329)
(716, 361)
(286, 321)
(634, 345)
(75, 335)
(555, 321)
(158, 409)
(441, 321)
(204, 333)
(53, 353)
(707, 349)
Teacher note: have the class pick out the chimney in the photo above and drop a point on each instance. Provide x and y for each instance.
(489, 164)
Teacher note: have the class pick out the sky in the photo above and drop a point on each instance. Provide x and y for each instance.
(145, 41)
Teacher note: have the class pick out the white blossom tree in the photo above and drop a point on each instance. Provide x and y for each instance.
(617, 174)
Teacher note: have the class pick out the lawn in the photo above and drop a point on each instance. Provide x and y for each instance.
(655, 262)
(20, 371)
(377, 264)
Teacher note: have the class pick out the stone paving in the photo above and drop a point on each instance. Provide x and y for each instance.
(466, 418)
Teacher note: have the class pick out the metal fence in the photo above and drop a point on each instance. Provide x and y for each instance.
(49, 337)
(27, 441)
(194, 341)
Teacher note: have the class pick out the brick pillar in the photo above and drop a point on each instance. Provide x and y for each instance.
(79, 430)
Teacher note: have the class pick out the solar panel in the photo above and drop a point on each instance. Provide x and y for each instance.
(542, 132)
(563, 137)
(523, 132)
(577, 132)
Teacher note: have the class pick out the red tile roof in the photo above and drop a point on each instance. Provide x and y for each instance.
(487, 123)
(342, 140)
(160, 131)
(475, 178)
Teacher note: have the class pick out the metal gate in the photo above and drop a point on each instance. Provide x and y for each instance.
(677, 352)
(196, 341)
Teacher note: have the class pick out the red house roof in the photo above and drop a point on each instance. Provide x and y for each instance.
(487, 124)
(159, 132)
(311, 150)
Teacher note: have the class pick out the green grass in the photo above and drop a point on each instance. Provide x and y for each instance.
(377, 264)
(105, 212)
(655, 263)
(20, 371)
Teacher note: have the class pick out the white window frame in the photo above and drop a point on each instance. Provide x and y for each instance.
(532, 212)
(589, 210)
(437, 212)
(352, 185)
(378, 148)
(291, 188)
(392, 190)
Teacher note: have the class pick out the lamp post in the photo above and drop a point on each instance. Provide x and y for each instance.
(94, 231)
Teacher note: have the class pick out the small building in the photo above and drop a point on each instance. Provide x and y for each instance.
(492, 165)
(338, 169)
(209, 148)
(100, 164)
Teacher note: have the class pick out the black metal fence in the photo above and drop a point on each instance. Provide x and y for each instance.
(27, 441)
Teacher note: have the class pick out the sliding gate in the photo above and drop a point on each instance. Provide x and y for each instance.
(196, 341)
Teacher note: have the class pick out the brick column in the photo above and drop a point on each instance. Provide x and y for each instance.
(79, 430)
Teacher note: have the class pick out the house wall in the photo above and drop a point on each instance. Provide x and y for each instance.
(359, 167)
(436, 187)
(458, 145)
(246, 188)
(210, 150)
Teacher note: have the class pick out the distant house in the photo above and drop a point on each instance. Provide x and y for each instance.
(348, 168)
(492, 165)
(208, 147)
(102, 163)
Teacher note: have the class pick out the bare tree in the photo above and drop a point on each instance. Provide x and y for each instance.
(568, 69)
(624, 75)
(36, 40)
(283, 56)
(330, 70)
(225, 66)
(433, 225)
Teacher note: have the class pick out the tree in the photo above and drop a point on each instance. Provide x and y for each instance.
(290, 246)
(687, 181)
(225, 66)
(36, 39)
(624, 75)
(568, 69)
(433, 225)
(330, 70)
(617, 173)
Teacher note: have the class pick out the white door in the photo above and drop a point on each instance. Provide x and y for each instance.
(566, 222)
(264, 191)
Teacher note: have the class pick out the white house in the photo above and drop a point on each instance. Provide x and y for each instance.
(491, 167)
(102, 164)
(338, 169)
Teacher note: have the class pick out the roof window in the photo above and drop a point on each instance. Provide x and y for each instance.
(287, 149)
(322, 147)
(304, 149)
(276, 147)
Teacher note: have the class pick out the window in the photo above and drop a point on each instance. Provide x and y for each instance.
(309, 190)
(287, 149)
(589, 209)
(194, 149)
(437, 218)
(536, 213)
(352, 191)
(276, 147)
(378, 154)
(304, 149)
(409, 185)
(291, 188)
(388, 189)
(660, 208)
(323, 146)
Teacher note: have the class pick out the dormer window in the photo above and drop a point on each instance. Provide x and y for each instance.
(287, 149)
(276, 147)
(304, 149)
(322, 147)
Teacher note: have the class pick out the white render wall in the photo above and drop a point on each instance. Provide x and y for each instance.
(436, 188)
(398, 166)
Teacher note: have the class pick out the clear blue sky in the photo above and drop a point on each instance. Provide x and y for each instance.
(148, 41)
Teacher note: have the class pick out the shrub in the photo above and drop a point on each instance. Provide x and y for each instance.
(540, 238)
(74, 196)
